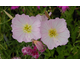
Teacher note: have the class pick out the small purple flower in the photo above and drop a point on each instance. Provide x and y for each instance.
(14, 7)
(38, 7)
(64, 8)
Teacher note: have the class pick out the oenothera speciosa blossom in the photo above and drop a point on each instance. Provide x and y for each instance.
(54, 32)
(25, 28)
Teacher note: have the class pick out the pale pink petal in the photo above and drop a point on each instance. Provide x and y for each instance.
(18, 18)
(23, 17)
(32, 20)
(65, 33)
(15, 22)
(18, 36)
(16, 32)
(61, 24)
(26, 18)
(24, 39)
(16, 27)
(28, 38)
(39, 17)
(62, 41)
(48, 42)
(45, 25)
(51, 44)
(63, 37)
(52, 23)
(44, 18)
(36, 35)
(36, 23)
(20, 39)
(39, 45)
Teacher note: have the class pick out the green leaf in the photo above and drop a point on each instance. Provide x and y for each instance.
(1, 36)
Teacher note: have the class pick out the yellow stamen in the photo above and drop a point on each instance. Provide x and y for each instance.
(52, 33)
(27, 28)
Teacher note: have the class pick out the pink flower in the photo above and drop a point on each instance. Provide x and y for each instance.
(39, 45)
(38, 7)
(33, 52)
(64, 8)
(26, 50)
(25, 28)
(14, 7)
(54, 32)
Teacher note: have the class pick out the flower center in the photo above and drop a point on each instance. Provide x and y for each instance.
(52, 33)
(27, 28)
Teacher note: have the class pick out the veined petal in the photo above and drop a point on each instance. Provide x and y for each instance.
(61, 25)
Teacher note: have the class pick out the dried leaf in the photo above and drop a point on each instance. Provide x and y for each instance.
(47, 14)
(8, 14)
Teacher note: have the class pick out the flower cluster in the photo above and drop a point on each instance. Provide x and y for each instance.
(33, 52)
(52, 32)
(39, 47)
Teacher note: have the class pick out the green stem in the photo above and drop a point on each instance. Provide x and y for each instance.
(5, 22)
(2, 47)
